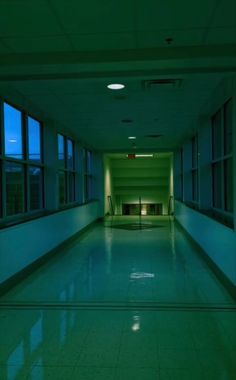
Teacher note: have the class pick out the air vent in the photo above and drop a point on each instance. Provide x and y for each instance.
(161, 83)
(154, 136)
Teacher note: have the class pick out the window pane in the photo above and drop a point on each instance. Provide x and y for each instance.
(71, 185)
(34, 139)
(61, 151)
(70, 155)
(217, 185)
(35, 184)
(216, 135)
(14, 188)
(13, 132)
(228, 121)
(228, 170)
(62, 187)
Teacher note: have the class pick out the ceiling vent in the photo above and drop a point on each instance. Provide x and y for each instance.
(161, 83)
(127, 121)
(156, 136)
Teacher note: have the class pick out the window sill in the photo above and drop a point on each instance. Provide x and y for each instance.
(218, 215)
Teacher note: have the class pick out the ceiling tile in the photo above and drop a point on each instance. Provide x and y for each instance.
(169, 14)
(94, 16)
(38, 44)
(104, 41)
(27, 18)
(183, 37)
(220, 36)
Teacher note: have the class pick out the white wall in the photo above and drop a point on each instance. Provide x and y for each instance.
(217, 240)
(22, 244)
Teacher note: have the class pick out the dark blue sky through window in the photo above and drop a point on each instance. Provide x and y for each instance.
(61, 150)
(34, 138)
(13, 132)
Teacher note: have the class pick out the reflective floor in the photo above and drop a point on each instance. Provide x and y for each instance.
(123, 301)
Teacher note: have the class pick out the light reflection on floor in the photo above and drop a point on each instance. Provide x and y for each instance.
(120, 304)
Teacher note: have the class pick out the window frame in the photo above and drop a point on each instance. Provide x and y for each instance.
(220, 161)
(88, 174)
(67, 171)
(25, 162)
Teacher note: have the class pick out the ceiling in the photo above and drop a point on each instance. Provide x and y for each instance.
(61, 55)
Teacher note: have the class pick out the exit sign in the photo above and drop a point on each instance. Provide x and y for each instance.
(131, 156)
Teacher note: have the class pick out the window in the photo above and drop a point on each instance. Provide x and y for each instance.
(21, 163)
(195, 168)
(222, 160)
(66, 170)
(13, 132)
(88, 178)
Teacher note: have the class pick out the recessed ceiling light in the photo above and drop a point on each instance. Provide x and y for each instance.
(132, 155)
(131, 137)
(143, 155)
(12, 140)
(115, 86)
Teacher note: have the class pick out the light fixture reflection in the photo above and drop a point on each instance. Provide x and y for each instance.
(138, 275)
(12, 140)
(136, 325)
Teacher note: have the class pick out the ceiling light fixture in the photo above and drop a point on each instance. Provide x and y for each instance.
(12, 140)
(132, 138)
(115, 86)
(132, 155)
(144, 155)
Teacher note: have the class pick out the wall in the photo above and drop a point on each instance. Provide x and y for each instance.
(148, 178)
(24, 243)
(217, 240)
(108, 188)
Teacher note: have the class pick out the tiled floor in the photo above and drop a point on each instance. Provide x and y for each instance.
(120, 304)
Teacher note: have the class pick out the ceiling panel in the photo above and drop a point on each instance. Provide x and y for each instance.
(180, 37)
(169, 14)
(38, 44)
(94, 17)
(221, 35)
(27, 19)
(103, 41)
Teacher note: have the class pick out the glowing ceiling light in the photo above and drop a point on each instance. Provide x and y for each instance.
(132, 138)
(12, 140)
(143, 155)
(115, 86)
